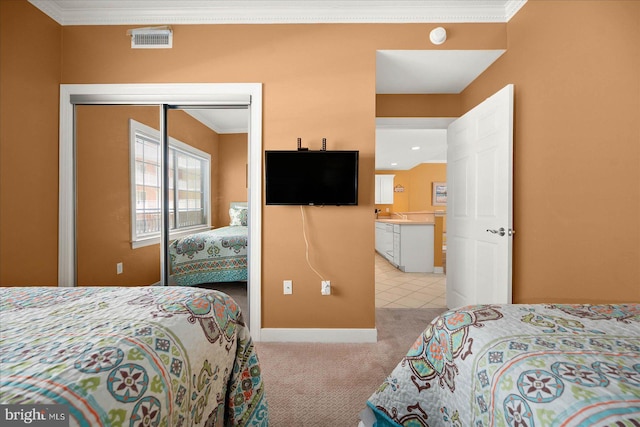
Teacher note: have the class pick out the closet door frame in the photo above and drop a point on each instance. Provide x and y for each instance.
(180, 94)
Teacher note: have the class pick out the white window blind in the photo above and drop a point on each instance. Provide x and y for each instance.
(189, 177)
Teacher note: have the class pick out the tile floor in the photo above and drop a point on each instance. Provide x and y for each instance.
(395, 289)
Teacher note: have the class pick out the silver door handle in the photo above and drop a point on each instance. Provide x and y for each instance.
(501, 231)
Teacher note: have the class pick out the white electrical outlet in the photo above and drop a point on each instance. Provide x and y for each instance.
(119, 268)
(326, 287)
(287, 287)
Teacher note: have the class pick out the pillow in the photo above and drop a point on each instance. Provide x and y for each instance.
(238, 216)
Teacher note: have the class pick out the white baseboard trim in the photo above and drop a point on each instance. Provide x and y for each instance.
(438, 270)
(337, 335)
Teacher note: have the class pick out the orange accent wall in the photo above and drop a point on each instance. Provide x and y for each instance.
(232, 173)
(319, 82)
(423, 105)
(421, 179)
(417, 194)
(576, 70)
(103, 196)
(30, 67)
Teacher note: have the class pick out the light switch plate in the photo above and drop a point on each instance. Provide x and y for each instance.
(287, 287)
(326, 287)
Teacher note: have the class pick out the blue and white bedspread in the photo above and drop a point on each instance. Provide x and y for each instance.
(152, 356)
(218, 255)
(518, 365)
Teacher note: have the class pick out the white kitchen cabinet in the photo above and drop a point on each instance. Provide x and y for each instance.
(408, 246)
(396, 246)
(384, 189)
(413, 247)
(384, 240)
(380, 237)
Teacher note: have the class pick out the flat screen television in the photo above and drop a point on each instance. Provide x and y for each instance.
(311, 177)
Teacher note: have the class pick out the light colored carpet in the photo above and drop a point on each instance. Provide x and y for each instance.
(327, 385)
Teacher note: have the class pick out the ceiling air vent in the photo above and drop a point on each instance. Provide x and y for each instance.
(151, 38)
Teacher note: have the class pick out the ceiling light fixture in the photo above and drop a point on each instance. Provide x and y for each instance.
(438, 35)
(394, 164)
(416, 148)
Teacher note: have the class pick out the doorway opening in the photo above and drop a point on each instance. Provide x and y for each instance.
(410, 158)
(404, 76)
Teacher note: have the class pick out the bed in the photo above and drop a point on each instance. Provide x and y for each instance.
(217, 255)
(159, 356)
(517, 365)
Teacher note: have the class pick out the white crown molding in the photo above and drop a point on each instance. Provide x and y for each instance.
(512, 7)
(146, 12)
(50, 8)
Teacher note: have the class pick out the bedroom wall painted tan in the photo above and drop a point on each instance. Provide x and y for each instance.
(576, 70)
(422, 105)
(103, 202)
(30, 49)
(232, 173)
(319, 82)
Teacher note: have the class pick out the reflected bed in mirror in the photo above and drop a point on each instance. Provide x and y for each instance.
(217, 255)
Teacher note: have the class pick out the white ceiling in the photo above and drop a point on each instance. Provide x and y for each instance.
(403, 143)
(421, 72)
(430, 71)
(229, 120)
(397, 71)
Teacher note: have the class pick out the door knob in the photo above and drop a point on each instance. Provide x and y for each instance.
(501, 231)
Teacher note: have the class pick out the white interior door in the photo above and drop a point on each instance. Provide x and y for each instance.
(480, 203)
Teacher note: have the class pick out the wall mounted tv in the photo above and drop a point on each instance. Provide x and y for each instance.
(311, 177)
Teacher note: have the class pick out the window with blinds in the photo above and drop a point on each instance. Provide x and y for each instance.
(189, 177)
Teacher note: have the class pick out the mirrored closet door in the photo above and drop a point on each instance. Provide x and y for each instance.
(207, 197)
(118, 204)
(120, 226)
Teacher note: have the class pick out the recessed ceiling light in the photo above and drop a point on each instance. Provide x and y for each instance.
(394, 164)
(415, 148)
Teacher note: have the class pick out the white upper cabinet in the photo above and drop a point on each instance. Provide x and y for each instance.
(384, 189)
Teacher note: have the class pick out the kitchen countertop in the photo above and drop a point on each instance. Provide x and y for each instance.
(404, 221)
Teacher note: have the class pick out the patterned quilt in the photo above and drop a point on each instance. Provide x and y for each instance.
(156, 356)
(218, 255)
(520, 366)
